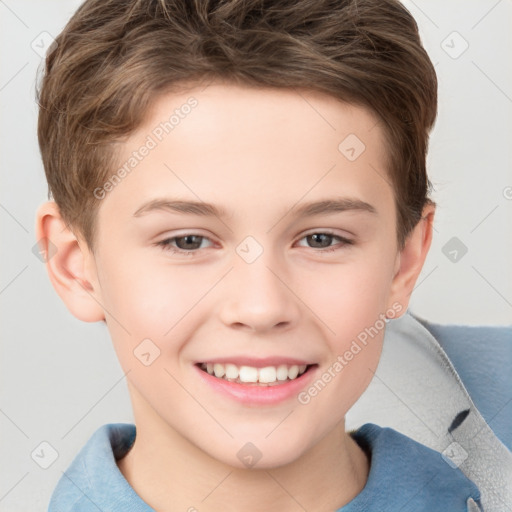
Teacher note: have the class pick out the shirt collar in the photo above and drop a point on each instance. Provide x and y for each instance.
(408, 476)
(404, 475)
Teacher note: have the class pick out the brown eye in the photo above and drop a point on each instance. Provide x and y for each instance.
(320, 240)
(187, 244)
(324, 240)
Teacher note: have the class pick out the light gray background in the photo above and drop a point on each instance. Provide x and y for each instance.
(60, 379)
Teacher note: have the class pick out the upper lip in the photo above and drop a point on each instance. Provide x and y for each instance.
(258, 362)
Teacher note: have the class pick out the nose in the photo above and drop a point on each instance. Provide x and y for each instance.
(258, 298)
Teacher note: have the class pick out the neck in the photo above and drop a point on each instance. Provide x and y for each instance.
(171, 474)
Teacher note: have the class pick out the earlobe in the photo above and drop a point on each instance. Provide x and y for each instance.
(411, 258)
(68, 264)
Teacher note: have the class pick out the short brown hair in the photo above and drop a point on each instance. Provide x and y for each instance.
(115, 57)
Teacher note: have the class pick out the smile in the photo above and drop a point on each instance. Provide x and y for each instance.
(266, 376)
(254, 381)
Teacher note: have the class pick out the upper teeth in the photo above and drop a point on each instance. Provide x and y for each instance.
(267, 375)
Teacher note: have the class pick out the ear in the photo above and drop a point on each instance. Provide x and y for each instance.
(69, 263)
(411, 258)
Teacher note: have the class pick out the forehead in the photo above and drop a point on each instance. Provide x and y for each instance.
(239, 146)
(251, 115)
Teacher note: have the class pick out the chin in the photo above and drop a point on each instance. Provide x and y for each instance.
(260, 453)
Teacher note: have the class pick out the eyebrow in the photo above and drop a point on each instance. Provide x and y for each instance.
(326, 206)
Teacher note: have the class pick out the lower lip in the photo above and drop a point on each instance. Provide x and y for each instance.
(258, 395)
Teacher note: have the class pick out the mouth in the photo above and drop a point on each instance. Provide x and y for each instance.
(265, 376)
(257, 382)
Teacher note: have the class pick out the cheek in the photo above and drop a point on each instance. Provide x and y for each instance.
(150, 300)
(351, 301)
(349, 297)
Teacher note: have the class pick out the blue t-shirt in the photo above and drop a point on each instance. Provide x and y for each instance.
(404, 476)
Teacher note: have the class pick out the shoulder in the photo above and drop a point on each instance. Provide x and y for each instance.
(93, 481)
(408, 476)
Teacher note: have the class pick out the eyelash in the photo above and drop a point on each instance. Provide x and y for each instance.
(166, 243)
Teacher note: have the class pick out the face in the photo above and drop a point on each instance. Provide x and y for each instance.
(283, 264)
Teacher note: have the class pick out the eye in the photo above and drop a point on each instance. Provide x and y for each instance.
(323, 240)
(186, 244)
(190, 243)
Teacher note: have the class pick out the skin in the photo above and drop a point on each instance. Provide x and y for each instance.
(259, 154)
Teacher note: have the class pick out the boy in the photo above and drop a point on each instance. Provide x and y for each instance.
(200, 156)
